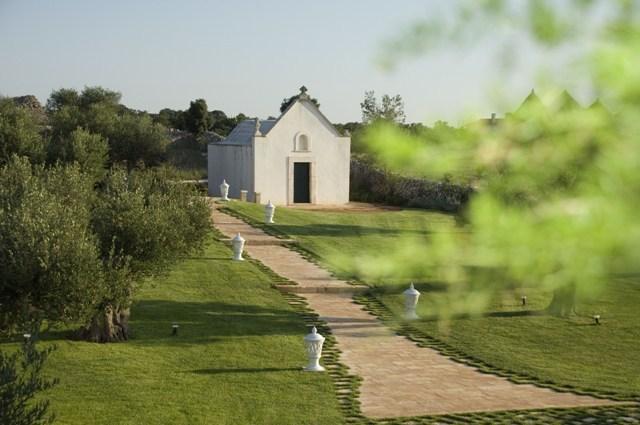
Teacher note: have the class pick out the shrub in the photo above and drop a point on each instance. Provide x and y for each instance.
(20, 381)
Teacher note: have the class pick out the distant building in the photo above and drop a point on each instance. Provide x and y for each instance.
(297, 158)
(533, 104)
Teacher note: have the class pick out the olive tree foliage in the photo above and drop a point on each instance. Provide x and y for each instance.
(133, 138)
(143, 223)
(390, 109)
(70, 253)
(558, 190)
(19, 133)
(89, 151)
(77, 239)
(48, 255)
(20, 382)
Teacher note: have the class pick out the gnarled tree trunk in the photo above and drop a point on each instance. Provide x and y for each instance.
(109, 325)
(563, 301)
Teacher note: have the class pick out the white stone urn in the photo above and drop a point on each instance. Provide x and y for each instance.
(224, 190)
(411, 296)
(313, 343)
(238, 245)
(269, 210)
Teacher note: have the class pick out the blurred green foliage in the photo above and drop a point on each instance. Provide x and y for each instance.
(558, 188)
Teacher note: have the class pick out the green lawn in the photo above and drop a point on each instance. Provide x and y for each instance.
(237, 358)
(520, 339)
(336, 237)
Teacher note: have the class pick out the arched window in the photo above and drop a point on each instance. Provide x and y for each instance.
(302, 143)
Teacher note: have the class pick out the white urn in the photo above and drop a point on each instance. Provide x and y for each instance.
(238, 245)
(411, 296)
(224, 190)
(313, 344)
(269, 210)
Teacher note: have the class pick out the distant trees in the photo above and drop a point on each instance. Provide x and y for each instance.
(132, 137)
(289, 100)
(217, 120)
(390, 109)
(62, 97)
(222, 124)
(171, 118)
(90, 151)
(19, 133)
(136, 139)
(197, 117)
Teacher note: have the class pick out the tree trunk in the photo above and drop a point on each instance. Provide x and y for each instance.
(563, 301)
(108, 325)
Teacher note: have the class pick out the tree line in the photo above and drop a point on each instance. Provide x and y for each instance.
(197, 119)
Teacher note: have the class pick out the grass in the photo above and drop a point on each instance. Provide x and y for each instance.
(335, 236)
(509, 337)
(236, 360)
(525, 340)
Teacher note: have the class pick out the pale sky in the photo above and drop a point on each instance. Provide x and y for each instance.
(246, 56)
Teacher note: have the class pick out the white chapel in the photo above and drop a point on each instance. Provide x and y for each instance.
(295, 159)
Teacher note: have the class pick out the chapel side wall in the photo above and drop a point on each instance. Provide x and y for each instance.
(234, 163)
(271, 173)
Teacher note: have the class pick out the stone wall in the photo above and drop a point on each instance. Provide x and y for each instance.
(373, 184)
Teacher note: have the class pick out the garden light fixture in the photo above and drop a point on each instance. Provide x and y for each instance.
(224, 190)
(269, 210)
(238, 245)
(174, 329)
(313, 344)
(411, 296)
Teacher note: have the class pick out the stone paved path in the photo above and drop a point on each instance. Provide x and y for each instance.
(398, 377)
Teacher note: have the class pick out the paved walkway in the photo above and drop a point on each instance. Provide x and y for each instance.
(285, 262)
(398, 377)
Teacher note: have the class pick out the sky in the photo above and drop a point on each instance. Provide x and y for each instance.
(246, 56)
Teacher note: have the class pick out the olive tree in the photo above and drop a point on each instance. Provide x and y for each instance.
(144, 223)
(48, 256)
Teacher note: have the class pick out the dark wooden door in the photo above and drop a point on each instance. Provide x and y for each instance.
(301, 192)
